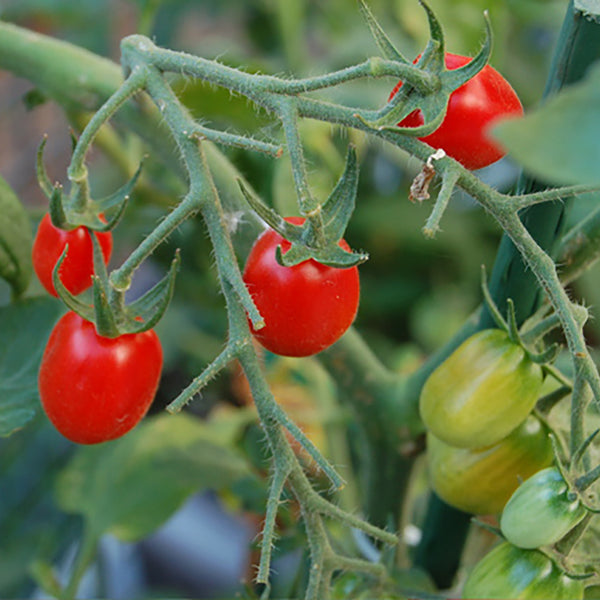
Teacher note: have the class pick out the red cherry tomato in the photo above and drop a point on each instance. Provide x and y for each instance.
(472, 110)
(306, 307)
(78, 266)
(93, 388)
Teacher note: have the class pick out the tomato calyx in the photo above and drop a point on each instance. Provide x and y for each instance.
(318, 233)
(111, 316)
(109, 312)
(509, 325)
(409, 96)
(78, 208)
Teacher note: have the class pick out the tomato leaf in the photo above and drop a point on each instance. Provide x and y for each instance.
(132, 485)
(24, 329)
(558, 142)
(15, 240)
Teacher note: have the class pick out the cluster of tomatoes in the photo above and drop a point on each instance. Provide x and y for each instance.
(482, 441)
(92, 388)
(96, 389)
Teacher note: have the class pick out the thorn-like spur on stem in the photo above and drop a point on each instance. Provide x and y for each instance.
(449, 179)
(489, 302)
(322, 506)
(201, 132)
(278, 480)
(297, 433)
(217, 365)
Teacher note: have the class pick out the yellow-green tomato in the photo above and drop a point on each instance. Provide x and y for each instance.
(481, 480)
(540, 512)
(508, 572)
(481, 392)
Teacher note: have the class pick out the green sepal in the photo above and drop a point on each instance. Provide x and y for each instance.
(147, 310)
(83, 309)
(584, 481)
(560, 456)
(339, 206)
(40, 169)
(578, 454)
(383, 42)
(436, 46)
(513, 328)
(118, 199)
(321, 234)
(289, 231)
(104, 317)
(546, 356)
(488, 527)
(433, 106)
(318, 237)
(491, 305)
(332, 257)
(56, 208)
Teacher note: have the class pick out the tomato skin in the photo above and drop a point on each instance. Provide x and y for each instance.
(306, 307)
(481, 480)
(539, 512)
(78, 266)
(481, 392)
(96, 389)
(510, 572)
(472, 110)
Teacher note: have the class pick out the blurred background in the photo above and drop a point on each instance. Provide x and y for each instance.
(415, 292)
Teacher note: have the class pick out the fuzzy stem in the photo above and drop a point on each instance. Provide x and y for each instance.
(77, 170)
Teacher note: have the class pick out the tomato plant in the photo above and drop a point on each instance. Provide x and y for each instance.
(481, 392)
(306, 307)
(216, 169)
(472, 109)
(77, 267)
(540, 512)
(93, 388)
(481, 480)
(511, 572)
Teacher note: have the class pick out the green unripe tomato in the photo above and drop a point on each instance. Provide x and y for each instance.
(481, 480)
(540, 513)
(511, 572)
(481, 392)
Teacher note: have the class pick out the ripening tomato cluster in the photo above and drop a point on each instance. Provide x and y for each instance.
(306, 307)
(93, 389)
(476, 406)
(482, 440)
(473, 109)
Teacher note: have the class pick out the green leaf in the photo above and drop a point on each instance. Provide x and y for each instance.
(15, 240)
(24, 329)
(132, 485)
(558, 143)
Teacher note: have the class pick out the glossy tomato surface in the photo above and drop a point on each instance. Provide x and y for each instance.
(306, 307)
(481, 480)
(481, 392)
(508, 572)
(78, 266)
(93, 388)
(472, 109)
(540, 513)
